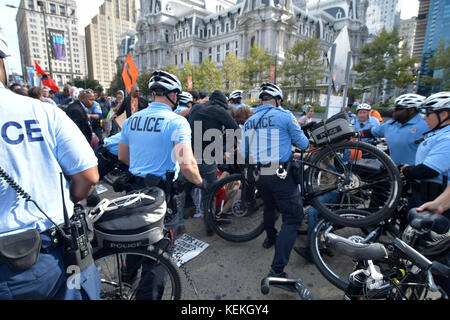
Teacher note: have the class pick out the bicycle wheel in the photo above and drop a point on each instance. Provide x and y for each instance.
(336, 267)
(137, 274)
(233, 216)
(363, 178)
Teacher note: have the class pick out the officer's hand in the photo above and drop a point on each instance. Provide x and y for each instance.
(402, 175)
(113, 116)
(432, 206)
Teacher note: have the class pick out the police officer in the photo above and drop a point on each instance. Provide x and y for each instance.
(432, 165)
(185, 101)
(235, 99)
(267, 141)
(364, 120)
(403, 130)
(149, 138)
(37, 142)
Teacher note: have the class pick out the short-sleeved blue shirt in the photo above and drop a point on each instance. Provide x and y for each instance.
(434, 152)
(151, 135)
(95, 109)
(37, 142)
(360, 126)
(180, 108)
(271, 139)
(401, 137)
(113, 143)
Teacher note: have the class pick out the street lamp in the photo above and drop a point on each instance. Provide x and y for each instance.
(40, 4)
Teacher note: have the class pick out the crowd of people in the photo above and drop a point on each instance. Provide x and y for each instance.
(77, 131)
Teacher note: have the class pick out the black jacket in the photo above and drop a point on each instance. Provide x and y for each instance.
(212, 115)
(126, 105)
(76, 112)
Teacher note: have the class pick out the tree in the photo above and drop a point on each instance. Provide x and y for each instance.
(439, 66)
(383, 61)
(232, 72)
(116, 84)
(86, 84)
(303, 65)
(209, 77)
(257, 67)
(142, 82)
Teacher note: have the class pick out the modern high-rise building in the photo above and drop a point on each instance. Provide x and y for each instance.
(421, 28)
(407, 30)
(103, 36)
(382, 14)
(438, 26)
(48, 34)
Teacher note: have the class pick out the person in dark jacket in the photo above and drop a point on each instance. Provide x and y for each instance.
(131, 104)
(210, 115)
(77, 111)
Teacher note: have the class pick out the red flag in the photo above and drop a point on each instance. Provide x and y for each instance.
(45, 79)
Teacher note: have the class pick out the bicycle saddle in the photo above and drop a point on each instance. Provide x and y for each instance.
(359, 251)
(428, 221)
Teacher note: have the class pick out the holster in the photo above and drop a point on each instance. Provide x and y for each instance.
(20, 251)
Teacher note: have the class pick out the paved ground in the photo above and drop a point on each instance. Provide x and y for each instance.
(233, 271)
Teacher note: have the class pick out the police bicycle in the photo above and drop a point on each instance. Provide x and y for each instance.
(361, 176)
(403, 268)
(132, 246)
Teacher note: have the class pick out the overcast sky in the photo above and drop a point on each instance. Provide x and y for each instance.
(89, 8)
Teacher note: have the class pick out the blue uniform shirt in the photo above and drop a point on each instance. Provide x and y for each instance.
(37, 142)
(434, 153)
(95, 109)
(274, 135)
(113, 143)
(151, 135)
(400, 138)
(238, 105)
(360, 126)
(180, 108)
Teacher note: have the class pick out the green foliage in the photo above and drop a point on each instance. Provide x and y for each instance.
(87, 84)
(232, 72)
(208, 78)
(116, 84)
(257, 67)
(383, 61)
(303, 65)
(142, 83)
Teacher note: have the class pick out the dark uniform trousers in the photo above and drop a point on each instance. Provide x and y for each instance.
(283, 195)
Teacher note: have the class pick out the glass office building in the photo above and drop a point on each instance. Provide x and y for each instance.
(438, 27)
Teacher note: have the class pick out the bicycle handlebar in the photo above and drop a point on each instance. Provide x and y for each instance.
(299, 286)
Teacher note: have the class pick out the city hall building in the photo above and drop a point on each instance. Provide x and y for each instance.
(177, 31)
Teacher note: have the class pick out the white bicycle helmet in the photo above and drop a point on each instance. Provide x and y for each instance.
(185, 97)
(270, 89)
(363, 106)
(438, 101)
(164, 80)
(236, 94)
(409, 100)
(77, 93)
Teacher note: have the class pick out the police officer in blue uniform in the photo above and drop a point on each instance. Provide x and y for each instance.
(235, 99)
(364, 120)
(38, 142)
(432, 165)
(403, 130)
(185, 101)
(267, 141)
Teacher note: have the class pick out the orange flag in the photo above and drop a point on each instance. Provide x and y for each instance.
(130, 73)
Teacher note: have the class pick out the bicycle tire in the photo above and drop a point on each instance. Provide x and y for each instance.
(363, 177)
(234, 225)
(119, 285)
